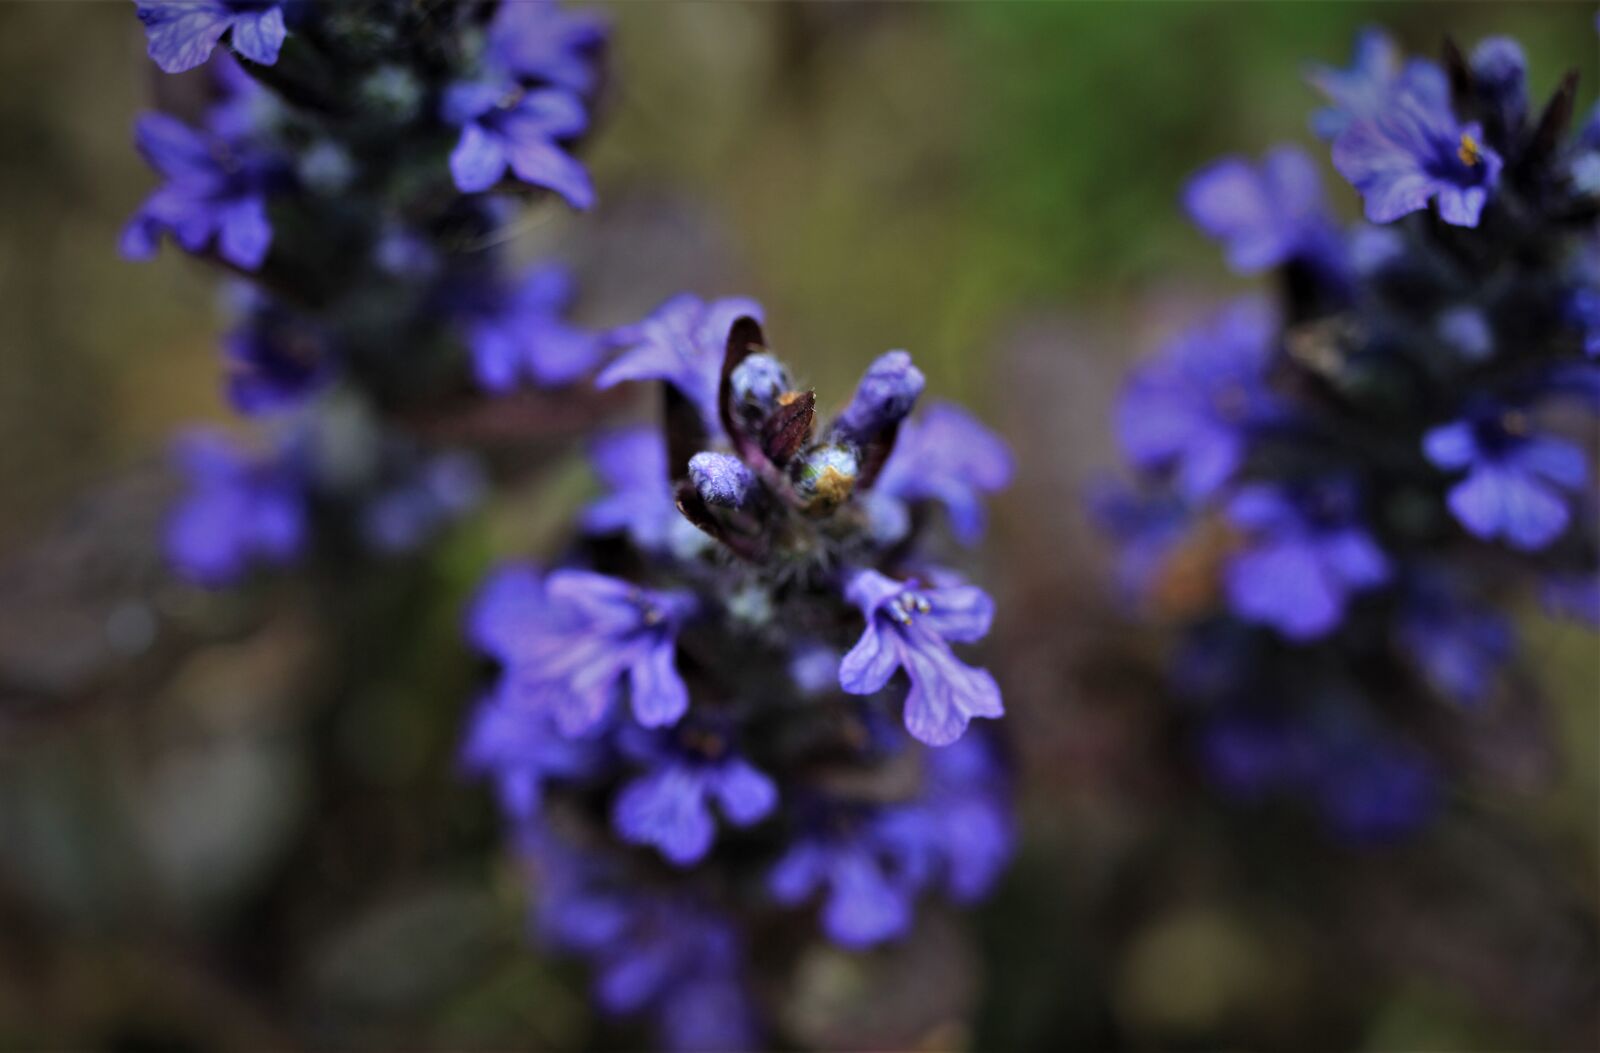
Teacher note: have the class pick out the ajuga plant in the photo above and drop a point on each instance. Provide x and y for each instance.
(354, 169)
(1348, 489)
(738, 699)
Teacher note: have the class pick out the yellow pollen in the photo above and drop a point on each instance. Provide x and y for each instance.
(1468, 150)
(833, 485)
(787, 398)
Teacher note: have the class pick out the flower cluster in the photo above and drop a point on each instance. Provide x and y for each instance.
(1342, 492)
(354, 167)
(697, 719)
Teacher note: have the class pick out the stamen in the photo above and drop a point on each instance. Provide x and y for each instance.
(903, 606)
(1468, 151)
(833, 485)
(649, 613)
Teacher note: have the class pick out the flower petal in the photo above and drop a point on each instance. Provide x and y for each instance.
(1285, 585)
(961, 614)
(182, 33)
(945, 694)
(871, 662)
(667, 809)
(660, 696)
(746, 794)
(246, 235)
(1500, 502)
(863, 907)
(259, 35)
(478, 160)
(1451, 446)
(541, 162)
(798, 873)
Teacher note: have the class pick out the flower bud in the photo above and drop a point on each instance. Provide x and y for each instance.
(884, 398)
(1500, 74)
(722, 480)
(825, 477)
(758, 383)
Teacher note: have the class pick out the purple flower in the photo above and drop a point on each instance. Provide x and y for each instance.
(405, 515)
(912, 628)
(1457, 648)
(965, 804)
(1190, 410)
(1301, 561)
(1413, 151)
(707, 1014)
(238, 511)
(1589, 135)
(274, 358)
(633, 464)
(871, 885)
(504, 125)
(1584, 158)
(814, 668)
(1500, 82)
(588, 632)
(669, 806)
(1365, 88)
(510, 609)
(758, 384)
(1514, 482)
(182, 33)
(682, 343)
(1367, 787)
(946, 455)
(212, 193)
(244, 111)
(521, 750)
(526, 336)
(885, 396)
(1372, 789)
(684, 964)
(651, 951)
(1252, 755)
(538, 40)
(873, 860)
(723, 480)
(1265, 215)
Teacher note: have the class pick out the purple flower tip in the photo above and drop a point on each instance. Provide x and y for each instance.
(883, 398)
(759, 380)
(722, 479)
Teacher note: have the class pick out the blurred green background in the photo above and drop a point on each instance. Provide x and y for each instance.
(992, 186)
